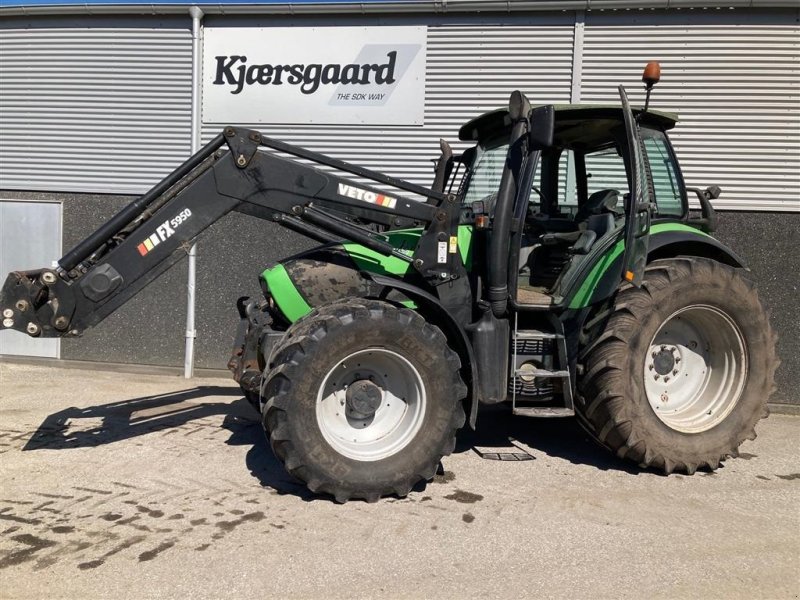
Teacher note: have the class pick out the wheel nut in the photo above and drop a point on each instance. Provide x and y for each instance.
(21, 305)
(8, 313)
(666, 379)
(677, 359)
(32, 328)
(675, 372)
(61, 323)
(656, 377)
(654, 354)
(663, 348)
(650, 367)
(48, 277)
(664, 398)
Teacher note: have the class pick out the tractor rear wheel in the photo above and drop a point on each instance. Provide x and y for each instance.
(363, 399)
(678, 374)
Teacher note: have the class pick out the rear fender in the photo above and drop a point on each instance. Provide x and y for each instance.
(666, 240)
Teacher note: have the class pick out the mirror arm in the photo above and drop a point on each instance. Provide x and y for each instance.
(708, 222)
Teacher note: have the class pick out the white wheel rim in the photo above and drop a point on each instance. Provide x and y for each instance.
(396, 420)
(695, 369)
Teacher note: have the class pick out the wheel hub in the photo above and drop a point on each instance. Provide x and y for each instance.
(664, 361)
(363, 398)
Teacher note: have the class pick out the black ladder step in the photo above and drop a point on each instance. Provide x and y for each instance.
(544, 411)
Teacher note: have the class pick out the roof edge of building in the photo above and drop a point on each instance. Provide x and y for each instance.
(378, 8)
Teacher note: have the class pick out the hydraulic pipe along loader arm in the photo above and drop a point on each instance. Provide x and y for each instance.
(229, 174)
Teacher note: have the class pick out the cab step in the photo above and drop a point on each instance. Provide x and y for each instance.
(544, 411)
(543, 373)
(539, 359)
(531, 334)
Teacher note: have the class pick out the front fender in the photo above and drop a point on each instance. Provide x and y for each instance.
(427, 303)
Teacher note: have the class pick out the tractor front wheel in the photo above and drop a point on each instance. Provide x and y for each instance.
(679, 373)
(363, 399)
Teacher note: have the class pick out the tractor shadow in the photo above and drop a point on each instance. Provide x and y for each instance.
(185, 413)
(500, 435)
(503, 436)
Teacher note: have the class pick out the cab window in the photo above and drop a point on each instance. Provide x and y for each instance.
(605, 170)
(667, 187)
(567, 187)
(486, 172)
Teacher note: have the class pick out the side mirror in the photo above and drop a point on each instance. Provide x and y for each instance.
(709, 220)
(543, 123)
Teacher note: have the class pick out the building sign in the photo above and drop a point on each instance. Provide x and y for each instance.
(328, 75)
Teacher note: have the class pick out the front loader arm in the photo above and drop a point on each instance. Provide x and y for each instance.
(154, 232)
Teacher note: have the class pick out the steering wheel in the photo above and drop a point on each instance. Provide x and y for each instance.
(533, 210)
(539, 193)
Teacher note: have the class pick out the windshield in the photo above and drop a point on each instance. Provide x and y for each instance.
(485, 176)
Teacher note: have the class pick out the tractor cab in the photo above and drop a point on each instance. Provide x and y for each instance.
(574, 203)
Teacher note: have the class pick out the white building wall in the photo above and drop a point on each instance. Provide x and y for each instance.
(93, 109)
(107, 109)
(734, 79)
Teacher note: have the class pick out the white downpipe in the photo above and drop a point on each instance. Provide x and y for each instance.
(575, 96)
(197, 66)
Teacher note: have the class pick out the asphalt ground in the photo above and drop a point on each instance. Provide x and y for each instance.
(132, 486)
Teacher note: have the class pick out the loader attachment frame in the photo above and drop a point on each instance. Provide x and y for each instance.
(229, 174)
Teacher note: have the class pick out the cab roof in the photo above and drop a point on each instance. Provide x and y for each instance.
(586, 125)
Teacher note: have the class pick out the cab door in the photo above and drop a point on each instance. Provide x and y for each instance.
(640, 204)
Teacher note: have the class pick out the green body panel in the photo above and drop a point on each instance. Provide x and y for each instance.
(584, 294)
(404, 240)
(465, 245)
(294, 306)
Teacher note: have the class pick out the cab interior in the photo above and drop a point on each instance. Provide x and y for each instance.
(577, 200)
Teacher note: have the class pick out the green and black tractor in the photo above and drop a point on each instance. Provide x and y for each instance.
(553, 266)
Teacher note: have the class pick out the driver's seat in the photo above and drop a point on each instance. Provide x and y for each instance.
(601, 201)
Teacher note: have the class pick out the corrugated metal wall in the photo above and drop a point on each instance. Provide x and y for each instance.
(470, 69)
(734, 79)
(93, 109)
(106, 109)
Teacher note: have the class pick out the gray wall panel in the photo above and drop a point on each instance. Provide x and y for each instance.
(94, 108)
(30, 238)
(147, 330)
(232, 254)
(768, 243)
